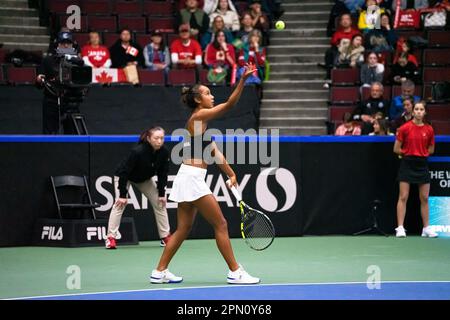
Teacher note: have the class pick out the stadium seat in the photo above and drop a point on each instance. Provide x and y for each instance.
(158, 8)
(161, 24)
(2, 77)
(181, 77)
(81, 38)
(83, 19)
(24, 75)
(142, 38)
(436, 57)
(60, 6)
(110, 38)
(349, 77)
(241, 7)
(150, 77)
(344, 95)
(128, 8)
(171, 37)
(102, 23)
(441, 127)
(438, 38)
(438, 112)
(387, 93)
(436, 74)
(397, 90)
(91, 7)
(335, 113)
(3, 53)
(136, 24)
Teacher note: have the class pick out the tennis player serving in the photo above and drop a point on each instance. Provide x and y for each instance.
(190, 190)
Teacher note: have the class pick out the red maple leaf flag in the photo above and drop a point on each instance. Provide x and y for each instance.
(104, 75)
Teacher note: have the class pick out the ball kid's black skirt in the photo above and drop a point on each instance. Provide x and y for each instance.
(414, 170)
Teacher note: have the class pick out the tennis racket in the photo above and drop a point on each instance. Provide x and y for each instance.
(256, 228)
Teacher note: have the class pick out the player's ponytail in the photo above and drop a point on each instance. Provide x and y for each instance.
(188, 95)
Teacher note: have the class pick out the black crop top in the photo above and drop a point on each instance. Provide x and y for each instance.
(190, 149)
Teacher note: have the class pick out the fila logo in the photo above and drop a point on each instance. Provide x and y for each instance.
(98, 233)
(49, 233)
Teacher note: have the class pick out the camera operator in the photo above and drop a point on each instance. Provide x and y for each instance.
(59, 100)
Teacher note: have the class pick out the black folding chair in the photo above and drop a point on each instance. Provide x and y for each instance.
(74, 191)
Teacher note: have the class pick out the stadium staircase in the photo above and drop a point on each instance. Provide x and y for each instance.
(19, 27)
(294, 99)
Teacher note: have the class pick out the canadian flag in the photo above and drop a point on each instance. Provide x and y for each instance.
(108, 75)
(132, 51)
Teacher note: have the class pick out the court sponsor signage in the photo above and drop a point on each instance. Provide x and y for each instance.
(439, 200)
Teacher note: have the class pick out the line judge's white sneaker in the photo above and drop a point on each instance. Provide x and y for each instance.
(164, 277)
(428, 232)
(240, 276)
(400, 232)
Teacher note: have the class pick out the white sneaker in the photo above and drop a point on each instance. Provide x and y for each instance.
(400, 232)
(164, 277)
(428, 232)
(240, 276)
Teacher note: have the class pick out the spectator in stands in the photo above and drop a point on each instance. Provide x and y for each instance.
(125, 52)
(246, 28)
(408, 105)
(383, 39)
(186, 53)
(156, 53)
(404, 47)
(260, 20)
(345, 31)
(410, 4)
(404, 70)
(220, 58)
(351, 53)
(408, 88)
(348, 127)
(218, 25)
(354, 5)
(227, 11)
(195, 17)
(370, 18)
(380, 128)
(372, 70)
(253, 53)
(338, 9)
(94, 54)
(366, 110)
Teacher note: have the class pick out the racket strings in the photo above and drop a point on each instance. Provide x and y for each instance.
(258, 230)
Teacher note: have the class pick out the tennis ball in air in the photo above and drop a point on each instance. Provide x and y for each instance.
(279, 25)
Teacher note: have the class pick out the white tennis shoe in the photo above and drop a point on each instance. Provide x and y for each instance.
(428, 232)
(164, 277)
(240, 276)
(400, 232)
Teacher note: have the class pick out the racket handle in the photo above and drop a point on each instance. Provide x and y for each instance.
(235, 192)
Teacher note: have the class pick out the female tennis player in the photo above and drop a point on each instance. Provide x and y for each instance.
(191, 191)
(414, 143)
(147, 159)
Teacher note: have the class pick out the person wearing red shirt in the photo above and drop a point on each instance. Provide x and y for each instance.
(186, 53)
(94, 54)
(414, 143)
(220, 58)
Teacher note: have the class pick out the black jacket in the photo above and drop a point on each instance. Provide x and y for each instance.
(370, 107)
(119, 57)
(142, 163)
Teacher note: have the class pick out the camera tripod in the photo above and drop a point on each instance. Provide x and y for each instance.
(373, 217)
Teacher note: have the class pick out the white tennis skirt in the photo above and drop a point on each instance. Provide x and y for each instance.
(189, 184)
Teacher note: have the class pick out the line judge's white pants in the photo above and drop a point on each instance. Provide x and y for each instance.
(149, 189)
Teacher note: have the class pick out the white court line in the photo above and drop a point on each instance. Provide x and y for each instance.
(221, 286)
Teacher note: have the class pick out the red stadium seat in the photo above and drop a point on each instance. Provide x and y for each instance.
(81, 38)
(110, 38)
(143, 39)
(24, 75)
(409, 33)
(161, 24)
(136, 24)
(91, 7)
(345, 76)
(336, 113)
(158, 8)
(386, 93)
(60, 6)
(441, 127)
(438, 38)
(436, 57)
(438, 112)
(182, 77)
(397, 90)
(344, 95)
(84, 24)
(150, 77)
(171, 37)
(436, 74)
(128, 8)
(3, 53)
(102, 23)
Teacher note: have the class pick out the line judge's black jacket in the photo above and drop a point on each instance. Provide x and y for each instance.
(143, 163)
